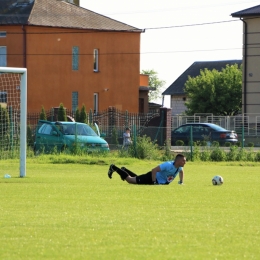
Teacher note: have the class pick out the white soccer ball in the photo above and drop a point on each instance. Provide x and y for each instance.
(217, 180)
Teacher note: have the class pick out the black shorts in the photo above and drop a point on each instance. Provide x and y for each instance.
(145, 179)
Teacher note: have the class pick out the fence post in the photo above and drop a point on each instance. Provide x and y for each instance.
(90, 116)
(191, 142)
(52, 114)
(134, 133)
(165, 125)
(126, 119)
(243, 137)
(111, 119)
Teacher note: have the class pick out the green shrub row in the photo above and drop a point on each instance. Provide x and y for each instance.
(144, 148)
(218, 155)
(214, 143)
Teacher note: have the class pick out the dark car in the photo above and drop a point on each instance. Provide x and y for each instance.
(203, 132)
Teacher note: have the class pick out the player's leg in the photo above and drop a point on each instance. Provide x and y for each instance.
(144, 179)
(132, 174)
(114, 168)
(141, 179)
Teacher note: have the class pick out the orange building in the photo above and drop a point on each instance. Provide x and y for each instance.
(73, 56)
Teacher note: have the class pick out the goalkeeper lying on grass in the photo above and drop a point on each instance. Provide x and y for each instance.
(164, 173)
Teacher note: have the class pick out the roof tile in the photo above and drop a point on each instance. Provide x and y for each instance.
(56, 13)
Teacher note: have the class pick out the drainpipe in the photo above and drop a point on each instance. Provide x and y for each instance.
(245, 65)
(24, 47)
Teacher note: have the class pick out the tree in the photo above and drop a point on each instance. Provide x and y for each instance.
(77, 115)
(43, 115)
(62, 113)
(83, 115)
(155, 83)
(217, 92)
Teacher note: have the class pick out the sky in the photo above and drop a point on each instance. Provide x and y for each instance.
(178, 33)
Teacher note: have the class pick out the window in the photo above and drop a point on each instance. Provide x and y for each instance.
(75, 58)
(75, 100)
(2, 34)
(3, 97)
(95, 60)
(3, 58)
(45, 129)
(95, 103)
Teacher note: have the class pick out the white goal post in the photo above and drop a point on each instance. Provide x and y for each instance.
(22, 92)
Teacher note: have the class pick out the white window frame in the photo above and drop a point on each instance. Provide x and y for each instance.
(95, 69)
(95, 104)
(3, 56)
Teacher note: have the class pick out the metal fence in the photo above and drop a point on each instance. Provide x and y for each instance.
(107, 120)
(250, 122)
(112, 120)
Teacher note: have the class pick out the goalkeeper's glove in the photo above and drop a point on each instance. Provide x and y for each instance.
(180, 182)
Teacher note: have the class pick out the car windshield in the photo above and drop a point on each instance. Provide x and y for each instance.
(81, 129)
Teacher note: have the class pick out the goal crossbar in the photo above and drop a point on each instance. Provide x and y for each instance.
(23, 115)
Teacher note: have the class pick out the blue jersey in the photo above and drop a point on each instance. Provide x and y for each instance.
(168, 172)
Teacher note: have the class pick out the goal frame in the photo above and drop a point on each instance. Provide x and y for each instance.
(23, 114)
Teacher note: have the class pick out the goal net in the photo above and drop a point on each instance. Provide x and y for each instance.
(13, 115)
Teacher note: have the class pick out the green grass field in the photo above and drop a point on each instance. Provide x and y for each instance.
(74, 211)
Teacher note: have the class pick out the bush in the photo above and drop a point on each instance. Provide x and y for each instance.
(196, 153)
(238, 144)
(250, 156)
(179, 143)
(257, 156)
(144, 149)
(115, 136)
(232, 155)
(205, 156)
(250, 144)
(62, 113)
(242, 155)
(77, 115)
(83, 115)
(215, 144)
(203, 143)
(218, 155)
(43, 115)
(227, 144)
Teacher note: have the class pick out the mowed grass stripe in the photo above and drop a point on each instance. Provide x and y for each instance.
(72, 211)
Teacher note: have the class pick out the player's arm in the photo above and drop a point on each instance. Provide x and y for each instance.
(181, 176)
(154, 171)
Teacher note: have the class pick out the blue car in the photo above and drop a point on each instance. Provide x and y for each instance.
(66, 135)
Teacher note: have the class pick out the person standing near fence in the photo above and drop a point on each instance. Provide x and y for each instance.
(127, 138)
(164, 173)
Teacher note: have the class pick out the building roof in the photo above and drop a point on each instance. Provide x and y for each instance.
(177, 87)
(253, 11)
(56, 13)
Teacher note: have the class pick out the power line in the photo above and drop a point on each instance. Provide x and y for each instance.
(190, 25)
